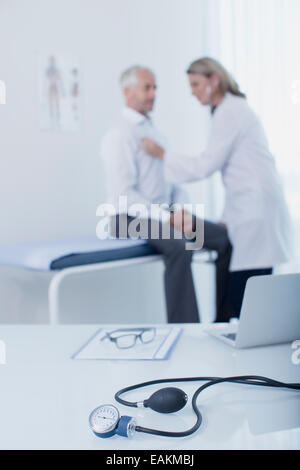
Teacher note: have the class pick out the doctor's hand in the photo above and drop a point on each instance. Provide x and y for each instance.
(152, 148)
(182, 221)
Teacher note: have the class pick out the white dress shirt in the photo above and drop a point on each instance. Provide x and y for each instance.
(255, 210)
(131, 172)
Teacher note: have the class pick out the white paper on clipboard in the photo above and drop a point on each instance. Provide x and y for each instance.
(159, 349)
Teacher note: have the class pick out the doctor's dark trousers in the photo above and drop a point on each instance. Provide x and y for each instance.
(181, 301)
(236, 289)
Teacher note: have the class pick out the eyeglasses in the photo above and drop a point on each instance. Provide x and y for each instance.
(126, 338)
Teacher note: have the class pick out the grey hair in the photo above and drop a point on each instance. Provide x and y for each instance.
(129, 77)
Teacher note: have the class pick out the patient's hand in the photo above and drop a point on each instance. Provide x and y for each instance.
(152, 148)
(182, 221)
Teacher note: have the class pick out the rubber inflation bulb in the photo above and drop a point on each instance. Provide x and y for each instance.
(167, 400)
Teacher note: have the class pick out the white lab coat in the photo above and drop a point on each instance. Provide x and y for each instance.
(255, 210)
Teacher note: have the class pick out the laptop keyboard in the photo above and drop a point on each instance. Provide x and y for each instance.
(231, 336)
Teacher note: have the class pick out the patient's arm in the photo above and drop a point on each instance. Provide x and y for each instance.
(118, 152)
(179, 195)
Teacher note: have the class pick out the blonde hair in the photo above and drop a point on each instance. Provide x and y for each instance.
(208, 66)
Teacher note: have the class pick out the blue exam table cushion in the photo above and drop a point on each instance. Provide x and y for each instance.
(53, 255)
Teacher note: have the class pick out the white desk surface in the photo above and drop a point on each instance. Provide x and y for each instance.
(46, 398)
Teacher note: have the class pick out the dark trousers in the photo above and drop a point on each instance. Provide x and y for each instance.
(181, 301)
(216, 239)
(236, 288)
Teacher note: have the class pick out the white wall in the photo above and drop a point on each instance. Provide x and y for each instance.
(52, 182)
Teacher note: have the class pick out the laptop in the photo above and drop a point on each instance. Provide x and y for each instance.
(270, 313)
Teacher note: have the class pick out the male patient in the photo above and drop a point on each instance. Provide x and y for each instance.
(132, 173)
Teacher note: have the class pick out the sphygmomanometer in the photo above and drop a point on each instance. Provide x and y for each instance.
(105, 421)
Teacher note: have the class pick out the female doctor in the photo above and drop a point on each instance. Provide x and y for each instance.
(255, 212)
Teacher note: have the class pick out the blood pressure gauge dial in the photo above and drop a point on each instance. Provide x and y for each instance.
(105, 421)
